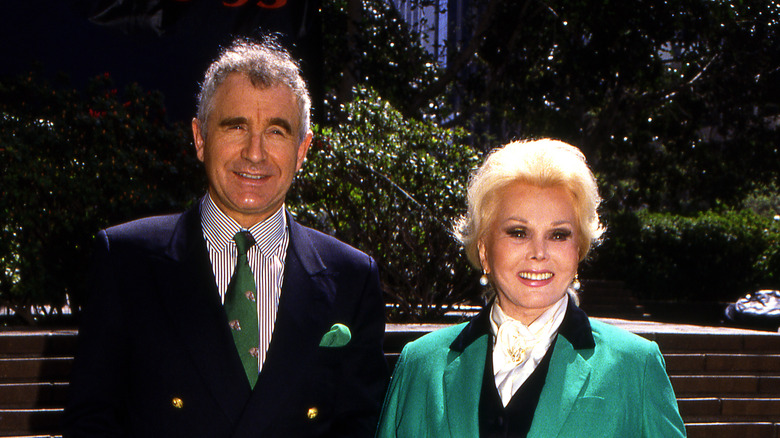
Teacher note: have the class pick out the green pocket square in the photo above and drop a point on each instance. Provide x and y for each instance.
(338, 336)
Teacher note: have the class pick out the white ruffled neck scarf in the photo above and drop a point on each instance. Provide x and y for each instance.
(517, 349)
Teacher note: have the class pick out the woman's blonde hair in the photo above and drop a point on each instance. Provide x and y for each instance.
(541, 163)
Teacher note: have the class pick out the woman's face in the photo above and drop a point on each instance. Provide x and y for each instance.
(530, 249)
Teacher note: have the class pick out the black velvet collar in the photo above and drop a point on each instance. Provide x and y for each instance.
(575, 327)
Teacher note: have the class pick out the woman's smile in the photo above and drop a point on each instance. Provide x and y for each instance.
(535, 276)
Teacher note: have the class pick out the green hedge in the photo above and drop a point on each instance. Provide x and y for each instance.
(714, 256)
(393, 188)
(72, 162)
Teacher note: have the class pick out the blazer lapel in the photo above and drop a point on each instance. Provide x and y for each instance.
(568, 373)
(304, 311)
(189, 296)
(463, 376)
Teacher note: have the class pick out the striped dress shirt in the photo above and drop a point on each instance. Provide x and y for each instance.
(266, 258)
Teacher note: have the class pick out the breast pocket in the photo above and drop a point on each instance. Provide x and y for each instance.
(591, 404)
(593, 417)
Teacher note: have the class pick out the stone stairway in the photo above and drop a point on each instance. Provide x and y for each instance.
(727, 384)
(34, 369)
(727, 380)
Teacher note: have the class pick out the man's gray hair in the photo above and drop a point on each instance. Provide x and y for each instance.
(266, 63)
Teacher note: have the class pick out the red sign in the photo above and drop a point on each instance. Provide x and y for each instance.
(265, 4)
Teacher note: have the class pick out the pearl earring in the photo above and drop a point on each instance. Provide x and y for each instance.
(575, 284)
(483, 280)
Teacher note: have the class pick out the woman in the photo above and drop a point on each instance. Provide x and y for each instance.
(531, 363)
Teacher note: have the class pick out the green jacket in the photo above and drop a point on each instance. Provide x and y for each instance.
(602, 382)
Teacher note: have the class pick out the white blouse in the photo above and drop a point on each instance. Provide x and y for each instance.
(517, 349)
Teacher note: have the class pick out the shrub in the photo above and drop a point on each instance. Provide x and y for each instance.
(393, 187)
(714, 256)
(72, 163)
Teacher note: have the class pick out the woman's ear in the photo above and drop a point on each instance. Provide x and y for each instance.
(483, 261)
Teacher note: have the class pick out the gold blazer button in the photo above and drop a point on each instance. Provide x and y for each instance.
(312, 414)
(177, 403)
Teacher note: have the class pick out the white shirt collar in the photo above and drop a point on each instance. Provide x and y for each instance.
(556, 311)
(517, 349)
(220, 228)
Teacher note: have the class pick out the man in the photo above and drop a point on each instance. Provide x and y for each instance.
(232, 320)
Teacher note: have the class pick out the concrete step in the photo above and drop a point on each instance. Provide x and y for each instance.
(27, 435)
(50, 369)
(729, 385)
(33, 395)
(722, 363)
(714, 409)
(31, 343)
(716, 342)
(671, 338)
(15, 422)
(733, 430)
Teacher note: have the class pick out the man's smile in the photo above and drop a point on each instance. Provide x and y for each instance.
(251, 175)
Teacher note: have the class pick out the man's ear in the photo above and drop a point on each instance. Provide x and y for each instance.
(197, 137)
(303, 148)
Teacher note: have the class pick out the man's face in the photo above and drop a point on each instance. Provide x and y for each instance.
(251, 152)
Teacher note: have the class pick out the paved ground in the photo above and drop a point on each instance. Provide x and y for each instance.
(661, 327)
(632, 326)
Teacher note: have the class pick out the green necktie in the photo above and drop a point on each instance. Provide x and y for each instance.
(241, 308)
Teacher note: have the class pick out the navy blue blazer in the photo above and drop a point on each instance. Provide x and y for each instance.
(156, 357)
